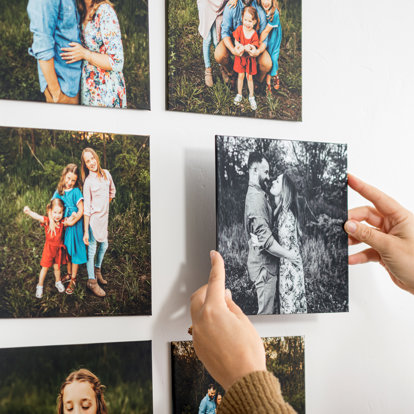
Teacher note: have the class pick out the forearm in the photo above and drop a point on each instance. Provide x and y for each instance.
(229, 44)
(261, 48)
(275, 249)
(34, 215)
(48, 69)
(101, 60)
(86, 220)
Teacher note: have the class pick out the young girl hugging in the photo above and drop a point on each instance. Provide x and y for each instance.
(69, 192)
(273, 33)
(246, 36)
(54, 252)
(98, 191)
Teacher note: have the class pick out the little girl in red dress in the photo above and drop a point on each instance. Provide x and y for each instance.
(247, 39)
(54, 251)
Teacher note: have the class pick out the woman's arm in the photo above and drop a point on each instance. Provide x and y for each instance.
(74, 218)
(33, 215)
(265, 32)
(77, 52)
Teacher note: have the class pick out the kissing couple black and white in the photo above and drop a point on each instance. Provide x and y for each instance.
(271, 220)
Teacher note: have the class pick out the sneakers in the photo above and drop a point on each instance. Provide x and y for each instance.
(92, 284)
(253, 103)
(99, 276)
(59, 286)
(39, 291)
(208, 77)
(237, 99)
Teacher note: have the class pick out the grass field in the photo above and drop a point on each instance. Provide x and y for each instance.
(187, 91)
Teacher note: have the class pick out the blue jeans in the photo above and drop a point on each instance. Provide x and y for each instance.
(212, 35)
(94, 247)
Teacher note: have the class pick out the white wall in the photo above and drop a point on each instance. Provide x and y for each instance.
(358, 87)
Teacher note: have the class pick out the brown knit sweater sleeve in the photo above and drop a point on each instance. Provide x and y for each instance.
(256, 393)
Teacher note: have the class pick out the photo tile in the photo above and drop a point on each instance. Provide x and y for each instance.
(194, 390)
(72, 54)
(54, 185)
(235, 58)
(281, 206)
(100, 378)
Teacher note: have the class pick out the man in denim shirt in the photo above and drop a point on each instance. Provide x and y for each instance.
(208, 404)
(232, 19)
(55, 24)
(262, 262)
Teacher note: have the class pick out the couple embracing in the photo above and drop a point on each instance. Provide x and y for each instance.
(76, 225)
(274, 257)
(78, 48)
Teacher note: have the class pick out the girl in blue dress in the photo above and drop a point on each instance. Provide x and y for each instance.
(69, 192)
(273, 33)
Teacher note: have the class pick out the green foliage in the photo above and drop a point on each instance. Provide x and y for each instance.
(19, 80)
(30, 178)
(187, 90)
(123, 368)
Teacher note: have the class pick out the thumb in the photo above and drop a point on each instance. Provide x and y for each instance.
(369, 235)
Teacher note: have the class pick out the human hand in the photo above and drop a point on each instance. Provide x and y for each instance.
(225, 340)
(238, 50)
(26, 210)
(74, 53)
(253, 51)
(255, 241)
(391, 237)
(232, 3)
(86, 238)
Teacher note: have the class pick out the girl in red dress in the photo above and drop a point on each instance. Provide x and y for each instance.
(54, 252)
(246, 40)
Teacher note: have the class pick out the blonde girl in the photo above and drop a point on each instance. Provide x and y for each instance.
(69, 192)
(54, 253)
(98, 191)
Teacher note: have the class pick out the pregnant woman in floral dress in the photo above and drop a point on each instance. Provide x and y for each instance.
(102, 82)
(291, 276)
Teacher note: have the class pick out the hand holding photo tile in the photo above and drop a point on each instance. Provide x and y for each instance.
(281, 206)
(195, 391)
(75, 222)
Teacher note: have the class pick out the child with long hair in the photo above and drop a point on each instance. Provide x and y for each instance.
(81, 391)
(69, 192)
(54, 252)
(291, 275)
(273, 33)
(98, 191)
(246, 66)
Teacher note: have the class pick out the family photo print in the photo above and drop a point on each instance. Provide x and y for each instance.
(195, 391)
(88, 378)
(87, 52)
(75, 224)
(235, 57)
(281, 206)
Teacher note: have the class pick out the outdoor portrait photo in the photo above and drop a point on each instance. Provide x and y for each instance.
(74, 224)
(235, 57)
(110, 378)
(79, 52)
(195, 391)
(281, 206)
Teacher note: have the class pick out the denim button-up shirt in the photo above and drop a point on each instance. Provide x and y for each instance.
(54, 24)
(232, 19)
(207, 406)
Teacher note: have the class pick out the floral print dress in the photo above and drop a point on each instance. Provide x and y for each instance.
(100, 87)
(291, 277)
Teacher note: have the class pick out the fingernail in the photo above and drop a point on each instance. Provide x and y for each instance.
(350, 227)
(212, 254)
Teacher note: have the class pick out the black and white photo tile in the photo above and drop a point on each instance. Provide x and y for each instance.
(281, 206)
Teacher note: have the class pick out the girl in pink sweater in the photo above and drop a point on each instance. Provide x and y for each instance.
(98, 192)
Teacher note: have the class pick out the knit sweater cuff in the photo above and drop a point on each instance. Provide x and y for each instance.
(256, 393)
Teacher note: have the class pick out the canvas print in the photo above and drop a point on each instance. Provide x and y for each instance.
(235, 57)
(92, 53)
(92, 378)
(74, 224)
(281, 207)
(195, 391)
